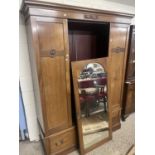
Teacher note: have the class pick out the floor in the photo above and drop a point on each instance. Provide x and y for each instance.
(122, 140)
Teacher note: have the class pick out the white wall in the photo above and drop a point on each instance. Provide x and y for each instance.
(133, 21)
(26, 83)
(97, 4)
(25, 71)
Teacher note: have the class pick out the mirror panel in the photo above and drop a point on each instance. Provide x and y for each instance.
(92, 88)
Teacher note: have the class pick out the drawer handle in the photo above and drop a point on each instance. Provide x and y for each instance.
(118, 50)
(59, 143)
(52, 53)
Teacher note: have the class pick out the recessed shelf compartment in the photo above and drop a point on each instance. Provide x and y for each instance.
(88, 40)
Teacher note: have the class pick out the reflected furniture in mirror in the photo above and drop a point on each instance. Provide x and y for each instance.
(57, 35)
(93, 110)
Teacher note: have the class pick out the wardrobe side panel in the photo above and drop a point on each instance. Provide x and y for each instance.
(33, 60)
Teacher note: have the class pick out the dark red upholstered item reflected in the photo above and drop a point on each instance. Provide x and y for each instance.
(91, 83)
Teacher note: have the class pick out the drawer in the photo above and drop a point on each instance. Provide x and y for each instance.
(61, 141)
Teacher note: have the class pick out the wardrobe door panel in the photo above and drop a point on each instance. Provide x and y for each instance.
(54, 89)
(53, 72)
(118, 51)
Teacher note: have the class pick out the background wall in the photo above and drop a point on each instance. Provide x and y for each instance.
(114, 5)
(24, 63)
(26, 82)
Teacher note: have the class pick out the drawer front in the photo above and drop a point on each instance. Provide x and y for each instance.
(62, 141)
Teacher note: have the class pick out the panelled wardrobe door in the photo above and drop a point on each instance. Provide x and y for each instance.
(118, 53)
(53, 73)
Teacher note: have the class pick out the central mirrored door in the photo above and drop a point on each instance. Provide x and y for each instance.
(93, 109)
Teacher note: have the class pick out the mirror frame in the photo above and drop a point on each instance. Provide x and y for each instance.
(77, 66)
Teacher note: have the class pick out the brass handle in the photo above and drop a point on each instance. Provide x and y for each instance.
(52, 53)
(118, 49)
(59, 142)
(91, 16)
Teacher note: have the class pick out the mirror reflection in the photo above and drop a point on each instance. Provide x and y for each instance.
(92, 84)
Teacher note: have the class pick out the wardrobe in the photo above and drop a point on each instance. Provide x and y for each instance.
(57, 35)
